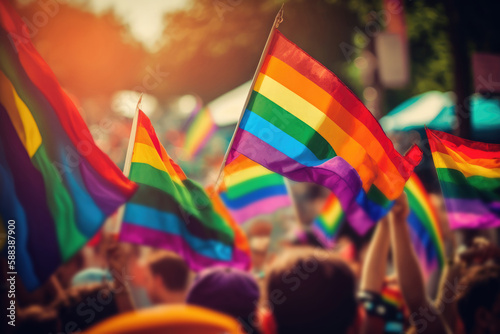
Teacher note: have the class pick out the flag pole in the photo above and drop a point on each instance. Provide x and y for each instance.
(292, 198)
(126, 168)
(277, 20)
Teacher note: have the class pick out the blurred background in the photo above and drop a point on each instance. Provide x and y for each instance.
(414, 62)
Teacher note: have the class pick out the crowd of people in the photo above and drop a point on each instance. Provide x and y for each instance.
(303, 289)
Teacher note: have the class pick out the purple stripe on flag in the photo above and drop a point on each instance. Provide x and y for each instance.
(31, 193)
(472, 213)
(358, 218)
(472, 206)
(472, 220)
(262, 207)
(105, 195)
(335, 174)
(322, 237)
(151, 237)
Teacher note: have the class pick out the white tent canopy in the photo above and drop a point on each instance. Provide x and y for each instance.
(227, 108)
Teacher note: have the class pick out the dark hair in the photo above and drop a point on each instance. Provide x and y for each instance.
(86, 306)
(230, 291)
(311, 291)
(37, 319)
(482, 286)
(172, 269)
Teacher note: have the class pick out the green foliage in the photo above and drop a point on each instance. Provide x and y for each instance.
(430, 49)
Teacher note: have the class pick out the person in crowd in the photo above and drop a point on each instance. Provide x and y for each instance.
(311, 291)
(381, 316)
(229, 291)
(479, 304)
(259, 238)
(91, 275)
(425, 317)
(36, 319)
(166, 278)
(305, 290)
(86, 306)
(96, 294)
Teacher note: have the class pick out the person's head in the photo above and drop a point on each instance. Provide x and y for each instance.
(166, 277)
(85, 306)
(36, 319)
(479, 302)
(311, 291)
(229, 291)
(258, 235)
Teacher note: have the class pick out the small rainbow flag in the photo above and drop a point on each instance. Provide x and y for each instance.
(394, 302)
(250, 190)
(172, 212)
(469, 175)
(302, 122)
(392, 296)
(200, 129)
(426, 232)
(56, 186)
(328, 223)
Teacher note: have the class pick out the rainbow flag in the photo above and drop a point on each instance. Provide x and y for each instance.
(392, 296)
(172, 212)
(55, 183)
(302, 122)
(249, 190)
(329, 221)
(469, 175)
(394, 303)
(200, 129)
(425, 230)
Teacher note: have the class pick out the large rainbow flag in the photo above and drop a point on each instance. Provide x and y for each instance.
(424, 226)
(55, 183)
(327, 224)
(249, 190)
(302, 122)
(172, 212)
(200, 128)
(469, 175)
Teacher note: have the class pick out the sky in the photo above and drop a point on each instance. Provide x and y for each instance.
(144, 18)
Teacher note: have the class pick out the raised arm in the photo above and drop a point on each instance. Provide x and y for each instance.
(448, 289)
(423, 315)
(374, 267)
(372, 276)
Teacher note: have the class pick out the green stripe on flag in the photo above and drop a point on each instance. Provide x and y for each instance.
(257, 183)
(190, 196)
(291, 125)
(60, 205)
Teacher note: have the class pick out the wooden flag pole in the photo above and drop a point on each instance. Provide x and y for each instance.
(278, 19)
(292, 198)
(126, 168)
(130, 148)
